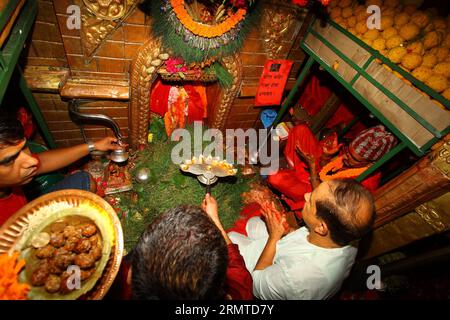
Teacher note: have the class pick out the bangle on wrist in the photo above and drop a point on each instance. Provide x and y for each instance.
(91, 146)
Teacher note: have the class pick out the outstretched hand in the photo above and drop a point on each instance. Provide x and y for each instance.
(108, 144)
(331, 145)
(276, 223)
(209, 205)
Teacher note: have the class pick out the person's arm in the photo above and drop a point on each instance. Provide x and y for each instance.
(209, 205)
(313, 175)
(59, 158)
(276, 229)
(311, 162)
(238, 282)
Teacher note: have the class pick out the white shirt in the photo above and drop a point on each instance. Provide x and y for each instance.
(300, 270)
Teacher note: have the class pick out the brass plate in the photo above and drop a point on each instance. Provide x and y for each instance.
(13, 229)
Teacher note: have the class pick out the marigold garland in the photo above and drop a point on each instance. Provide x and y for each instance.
(336, 165)
(10, 288)
(204, 30)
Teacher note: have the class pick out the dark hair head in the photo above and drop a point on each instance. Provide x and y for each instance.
(11, 131)
(349, 214)
(181, 255)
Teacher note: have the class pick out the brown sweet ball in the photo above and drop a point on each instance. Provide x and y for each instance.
(394, 41)
(409, 31)
(335, 12)
(386, 22)
(442, 68)
(429, 60)
(409, 9)
(432, 39)
(361, 27)
(371, 34)
(396, 54)
(446, 41)
(441, 53)
(429, 28)
(384, 52)
(388, 11)
(351, 21)
(421, 19)
(440, 24)
(446, 94)
(379, 44)
(411, 61)
(390, 32)
(416, 47)
(401, 19)
(375, 2)
(359, 8)
(422, 73)
(347, 12)
(369, 42)
(391, 3)
(343, 23)
(344, 3)
(352, 31)
(362, 16)
(437, 82)
(338, 20)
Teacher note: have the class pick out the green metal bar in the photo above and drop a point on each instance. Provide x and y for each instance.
(36, 111)
(429, 144)
(393, 66)
(373, 110)
(378, 85)
(3, 64)
(12, 49)
(301, 77)
(388, 156)
(6, 13)
(365, 66)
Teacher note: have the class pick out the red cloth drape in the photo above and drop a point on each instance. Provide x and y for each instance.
(197, 102)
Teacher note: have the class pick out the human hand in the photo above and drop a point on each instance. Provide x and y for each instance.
(276, 222)
(107, 144)
(209, 205)
(331, 145)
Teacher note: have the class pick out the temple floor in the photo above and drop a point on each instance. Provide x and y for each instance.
(167, 187)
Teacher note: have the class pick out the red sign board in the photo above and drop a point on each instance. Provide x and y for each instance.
(272, 82)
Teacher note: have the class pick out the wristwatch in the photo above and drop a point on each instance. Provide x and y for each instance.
(91, 146)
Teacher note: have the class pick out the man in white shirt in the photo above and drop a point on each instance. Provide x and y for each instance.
(313, 261)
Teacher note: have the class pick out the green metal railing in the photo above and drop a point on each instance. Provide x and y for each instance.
(405, 142)
(9, 56)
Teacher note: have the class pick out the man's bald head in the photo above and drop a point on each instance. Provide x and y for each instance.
(347, 210)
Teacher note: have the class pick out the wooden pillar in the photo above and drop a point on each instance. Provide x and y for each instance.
(428, 179)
